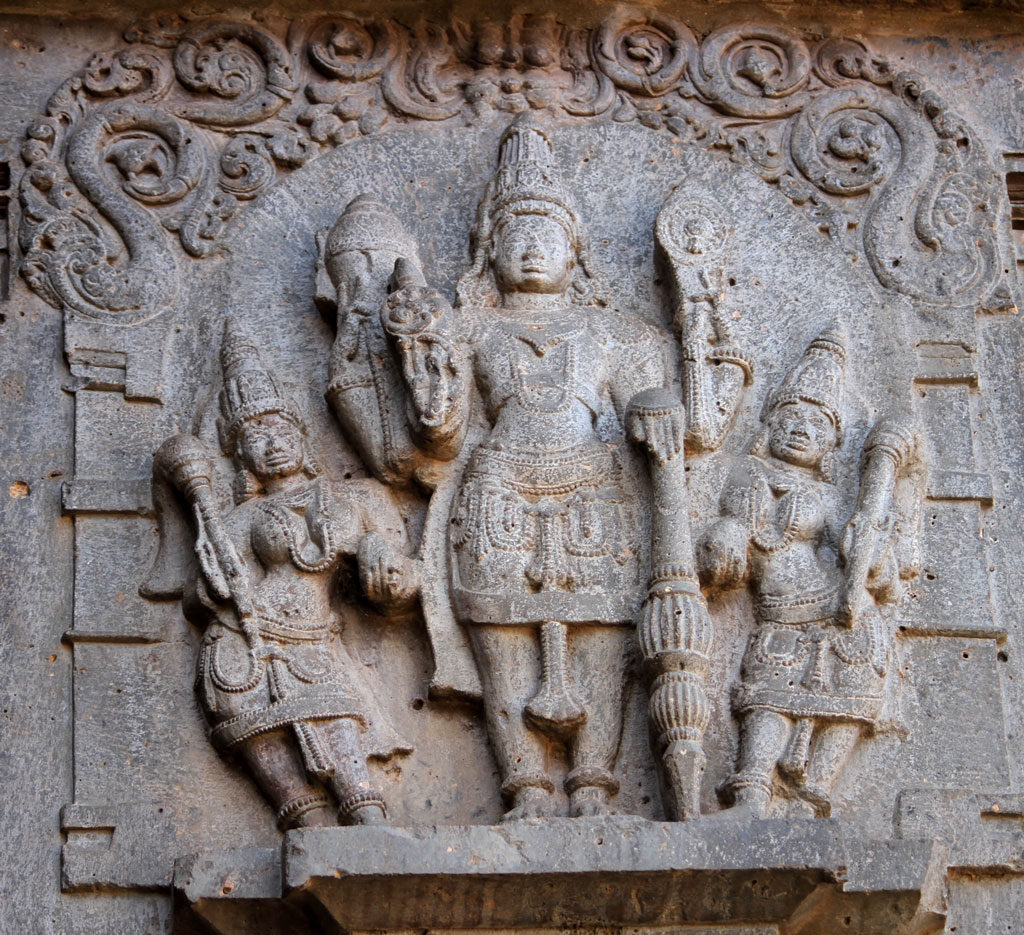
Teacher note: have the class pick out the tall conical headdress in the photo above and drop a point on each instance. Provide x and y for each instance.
(250, 389)
(527, 180)
(818, 377)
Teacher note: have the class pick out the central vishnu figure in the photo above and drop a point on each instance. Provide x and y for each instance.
(546, 559)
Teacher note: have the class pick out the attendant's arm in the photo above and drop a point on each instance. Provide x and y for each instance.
(891, 452)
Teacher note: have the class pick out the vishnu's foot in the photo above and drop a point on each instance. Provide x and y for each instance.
(362, 808)
(372, 813)
(750, 804)
(322, 817)
(588, 802)
(529, 802)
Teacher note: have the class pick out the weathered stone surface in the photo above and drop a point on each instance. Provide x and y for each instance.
(807, 876)
(584, 447)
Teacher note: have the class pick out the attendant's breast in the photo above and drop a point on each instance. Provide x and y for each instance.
(269, 539)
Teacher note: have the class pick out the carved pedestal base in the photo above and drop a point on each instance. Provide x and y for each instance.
(776, 876)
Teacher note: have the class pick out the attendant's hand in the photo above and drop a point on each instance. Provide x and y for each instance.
(721, 554)
(386, 577)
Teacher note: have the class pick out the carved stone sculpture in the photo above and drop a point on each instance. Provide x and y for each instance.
(544, 540)
(277, 685)
(820, 665)
(357, 258)
(522, 460)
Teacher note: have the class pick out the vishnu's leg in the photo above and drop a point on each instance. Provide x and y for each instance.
(831, 750)
(598, 655)
(274, 761)
(764, 736)
(333, 752)
(509, 661)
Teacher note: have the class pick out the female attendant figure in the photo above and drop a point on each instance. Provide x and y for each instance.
(278, 688)
(818, 668)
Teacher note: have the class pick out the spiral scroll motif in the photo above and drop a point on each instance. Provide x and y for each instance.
(415, 81)
(351, 50)
(246, 167)
(139, 72)
(840, 61)
(245, 67)
(753, 72)
(67, 256)
(644, 53)
(843, 144)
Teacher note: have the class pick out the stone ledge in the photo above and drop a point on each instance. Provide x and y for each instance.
(618, 871)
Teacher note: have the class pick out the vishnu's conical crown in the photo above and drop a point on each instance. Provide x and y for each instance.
(527, 179)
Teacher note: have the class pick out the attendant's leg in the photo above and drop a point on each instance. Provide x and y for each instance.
(763, 739)
(274, 761)
(509, 662)
(333, 750)
(831, 750)
(598, 656)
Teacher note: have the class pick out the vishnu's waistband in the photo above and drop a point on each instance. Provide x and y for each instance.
(544, 473)
(809, 607)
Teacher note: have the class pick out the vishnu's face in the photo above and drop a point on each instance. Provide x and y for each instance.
(532, 253)
(801, 433)
(271, 446)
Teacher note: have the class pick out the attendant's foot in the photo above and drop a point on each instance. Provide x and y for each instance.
(529, 802)
(818, 798)
(307, 811)
(372, 813)
(749, 805)
(588, 802)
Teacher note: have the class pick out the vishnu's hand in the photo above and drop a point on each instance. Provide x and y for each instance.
(656, 420)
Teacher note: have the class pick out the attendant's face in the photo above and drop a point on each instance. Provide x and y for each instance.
(801, 433)
(532, 253)
(271, 446)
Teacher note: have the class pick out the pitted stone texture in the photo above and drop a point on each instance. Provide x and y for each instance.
(800, 877)
(184, 177)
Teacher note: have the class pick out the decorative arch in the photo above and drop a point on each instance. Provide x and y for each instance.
(175, 132)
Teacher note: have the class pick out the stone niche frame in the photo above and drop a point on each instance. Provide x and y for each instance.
(139, 163)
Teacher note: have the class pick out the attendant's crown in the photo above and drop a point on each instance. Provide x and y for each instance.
(250, 389)
(817, 378)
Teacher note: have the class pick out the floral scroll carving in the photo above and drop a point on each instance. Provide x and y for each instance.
(192, 119)
(119, 155)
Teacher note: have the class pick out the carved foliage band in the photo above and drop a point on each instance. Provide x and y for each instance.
(191, 119)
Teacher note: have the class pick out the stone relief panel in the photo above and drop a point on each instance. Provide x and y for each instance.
(463, 359)
(542, 420)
